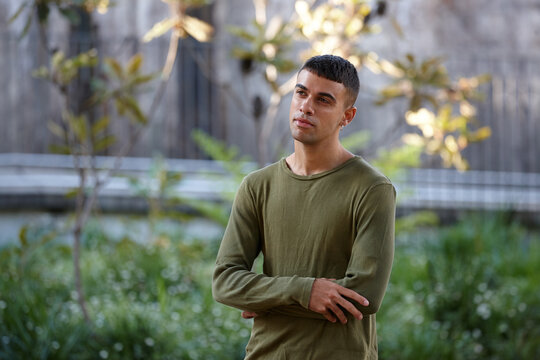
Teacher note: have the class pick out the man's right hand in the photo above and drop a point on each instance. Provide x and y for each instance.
(327, 298)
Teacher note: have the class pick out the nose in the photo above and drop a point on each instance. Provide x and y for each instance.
(306, 106)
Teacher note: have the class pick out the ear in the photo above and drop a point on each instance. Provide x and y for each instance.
(348, 115)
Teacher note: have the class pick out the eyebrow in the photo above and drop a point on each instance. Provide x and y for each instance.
(328, 95)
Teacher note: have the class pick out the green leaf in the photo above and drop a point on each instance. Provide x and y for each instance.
(132, 106)
(134, 64)
(115, 67)
(100, 125)
(240, 53)
(79, 126)
(41, 73)
(26, 26)
(391, 91)
(241, 33)
(60, 149)
(56, 129)
(14, 17)
(57, 59)
(23, 236)
(70, 194)
(120, 107)
(138, 80)
(104, 143)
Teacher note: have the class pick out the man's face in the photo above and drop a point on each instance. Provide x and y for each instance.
(318, 109)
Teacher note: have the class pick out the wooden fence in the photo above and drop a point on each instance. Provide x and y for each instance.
(193, 100)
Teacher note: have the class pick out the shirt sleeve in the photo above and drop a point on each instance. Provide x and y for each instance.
(234, 284)
(368, 271)
(369, 267)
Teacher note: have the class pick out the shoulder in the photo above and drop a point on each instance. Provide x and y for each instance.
(261, 176)
(366, 174)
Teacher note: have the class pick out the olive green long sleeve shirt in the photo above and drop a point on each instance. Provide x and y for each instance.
(337, 224)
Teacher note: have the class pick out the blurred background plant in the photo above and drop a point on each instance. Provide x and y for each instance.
(464, 291)
(86, 92)
(340, 27)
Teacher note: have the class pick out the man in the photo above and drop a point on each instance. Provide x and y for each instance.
(324, 221)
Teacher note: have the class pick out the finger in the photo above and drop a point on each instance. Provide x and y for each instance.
(353, 295)
(329, 317)
(248, 314)
(338, 313)
(348, 306)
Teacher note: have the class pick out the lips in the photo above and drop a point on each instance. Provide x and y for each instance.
(304, 123)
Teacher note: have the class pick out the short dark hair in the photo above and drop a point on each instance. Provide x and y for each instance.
(337, 69)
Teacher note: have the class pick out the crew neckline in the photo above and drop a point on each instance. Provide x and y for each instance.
(289, 172)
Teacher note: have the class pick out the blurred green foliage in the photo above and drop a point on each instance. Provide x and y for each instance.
(468, 291)
(148, 301)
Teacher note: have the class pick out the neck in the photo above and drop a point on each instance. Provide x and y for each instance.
(310, 160)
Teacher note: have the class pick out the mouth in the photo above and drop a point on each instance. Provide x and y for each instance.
(303, 123)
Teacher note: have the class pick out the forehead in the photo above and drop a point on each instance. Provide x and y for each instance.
(317, 84)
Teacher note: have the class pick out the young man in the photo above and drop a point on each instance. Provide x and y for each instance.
(324, 221)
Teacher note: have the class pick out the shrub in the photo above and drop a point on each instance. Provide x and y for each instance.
(147, 301)
(469, 291)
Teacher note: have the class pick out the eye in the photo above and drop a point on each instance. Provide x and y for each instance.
(324, 100)
(300, 92)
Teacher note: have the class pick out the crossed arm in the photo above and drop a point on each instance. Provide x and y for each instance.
(367, 274)
(330, 300)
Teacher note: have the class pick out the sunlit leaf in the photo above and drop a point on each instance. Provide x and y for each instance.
(57, 58)
(481, 134)
(397, 27)
(41, 73)
(198, 29)
(159, 29)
